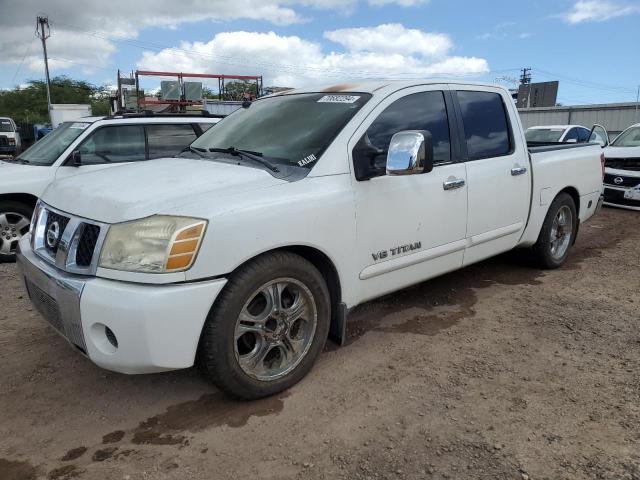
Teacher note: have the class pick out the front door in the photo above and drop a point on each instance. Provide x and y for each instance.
(410, 227)
(107, 146)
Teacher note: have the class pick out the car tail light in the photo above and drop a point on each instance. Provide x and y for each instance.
(602, 160)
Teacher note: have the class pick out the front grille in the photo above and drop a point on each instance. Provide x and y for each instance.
(87, 244)
(623, 163)
(62, 224)
(46, 305)
(617, 197)
(610, 179)
(78, 241)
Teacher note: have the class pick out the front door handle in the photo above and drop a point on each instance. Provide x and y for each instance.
(453, 184)
(518, 171)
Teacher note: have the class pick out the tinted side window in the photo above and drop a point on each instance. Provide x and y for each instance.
(418, 111)
(583, 135)
(485, 124)
(571, 135)
(169, 140)
(114, 144)
(205, 126)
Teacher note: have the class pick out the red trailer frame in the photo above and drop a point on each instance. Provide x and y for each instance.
(181, 75)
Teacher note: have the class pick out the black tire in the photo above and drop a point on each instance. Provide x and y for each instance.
(217, 349)
(12, 207)
(543, 247)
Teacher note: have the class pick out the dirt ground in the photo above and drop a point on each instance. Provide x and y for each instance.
(497, 371)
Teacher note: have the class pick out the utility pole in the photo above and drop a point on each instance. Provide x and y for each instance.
(525, 77)
(637, 103)
(43, 32)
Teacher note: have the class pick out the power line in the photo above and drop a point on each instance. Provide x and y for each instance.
(586, 84)
(27, 50)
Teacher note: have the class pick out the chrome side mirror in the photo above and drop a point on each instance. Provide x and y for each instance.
(410, 152)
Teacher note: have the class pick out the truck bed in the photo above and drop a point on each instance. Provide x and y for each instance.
(538, 147)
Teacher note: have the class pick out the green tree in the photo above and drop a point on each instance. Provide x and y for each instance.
(29, 104)
(236, 89)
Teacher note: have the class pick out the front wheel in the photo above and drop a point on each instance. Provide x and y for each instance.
(558, 232)
(267, 328)
(15, 219)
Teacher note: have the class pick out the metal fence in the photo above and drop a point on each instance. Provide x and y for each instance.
(615, 117)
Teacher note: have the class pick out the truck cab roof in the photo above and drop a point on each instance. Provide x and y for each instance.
(381, 87)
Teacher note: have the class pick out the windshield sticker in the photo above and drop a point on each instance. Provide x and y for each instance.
(80, 126)
(307, 160)
(6, 123)
(339, 99)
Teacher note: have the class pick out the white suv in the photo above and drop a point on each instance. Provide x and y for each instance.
(88, 144)
(10, 143)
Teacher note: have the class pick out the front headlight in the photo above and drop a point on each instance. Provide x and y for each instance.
(157, 244)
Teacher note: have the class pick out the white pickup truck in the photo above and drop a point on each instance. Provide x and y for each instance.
(247, 252)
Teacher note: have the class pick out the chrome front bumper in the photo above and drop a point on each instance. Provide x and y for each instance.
(55, 295)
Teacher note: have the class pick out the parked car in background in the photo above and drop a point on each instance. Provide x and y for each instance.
(622, 170)
(88, 144)
(558, 134)
(246, 251)
(10, 141)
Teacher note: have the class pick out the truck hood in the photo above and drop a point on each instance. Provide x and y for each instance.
(19, 178)
(159, 186)
(622, 152)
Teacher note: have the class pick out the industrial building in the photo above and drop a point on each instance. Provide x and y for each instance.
(615, 117)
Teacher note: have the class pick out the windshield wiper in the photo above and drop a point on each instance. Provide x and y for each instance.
(255, 156)
(197, 151)
(17, 160)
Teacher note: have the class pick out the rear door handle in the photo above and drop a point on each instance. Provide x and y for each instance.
(453, 184)
(518, 171)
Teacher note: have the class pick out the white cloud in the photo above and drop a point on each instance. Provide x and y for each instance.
(504, 30)
(391, 38)
(87, 32)
(597, 11)
(292, 61)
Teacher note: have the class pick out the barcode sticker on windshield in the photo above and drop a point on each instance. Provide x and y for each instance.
(80, 126)
(339, 99)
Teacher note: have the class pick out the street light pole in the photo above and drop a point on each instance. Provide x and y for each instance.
(42, 34)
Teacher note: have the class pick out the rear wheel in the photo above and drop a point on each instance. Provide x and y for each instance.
(558, 232)
(15, 219)
(267, 328)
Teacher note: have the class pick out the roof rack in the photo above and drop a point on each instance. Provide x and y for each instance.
(149, 113)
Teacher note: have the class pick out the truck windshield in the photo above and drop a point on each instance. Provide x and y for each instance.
(630, 138)
(288, 129)
(544, 134)
(47, 150)
(5, 125)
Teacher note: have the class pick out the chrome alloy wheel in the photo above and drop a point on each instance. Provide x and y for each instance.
(12, 227)
(561, 232)
(275, 329)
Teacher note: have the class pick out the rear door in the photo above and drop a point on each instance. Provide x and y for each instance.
(498, 172)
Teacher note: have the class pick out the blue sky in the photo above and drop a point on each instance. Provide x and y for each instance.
(589, 45)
